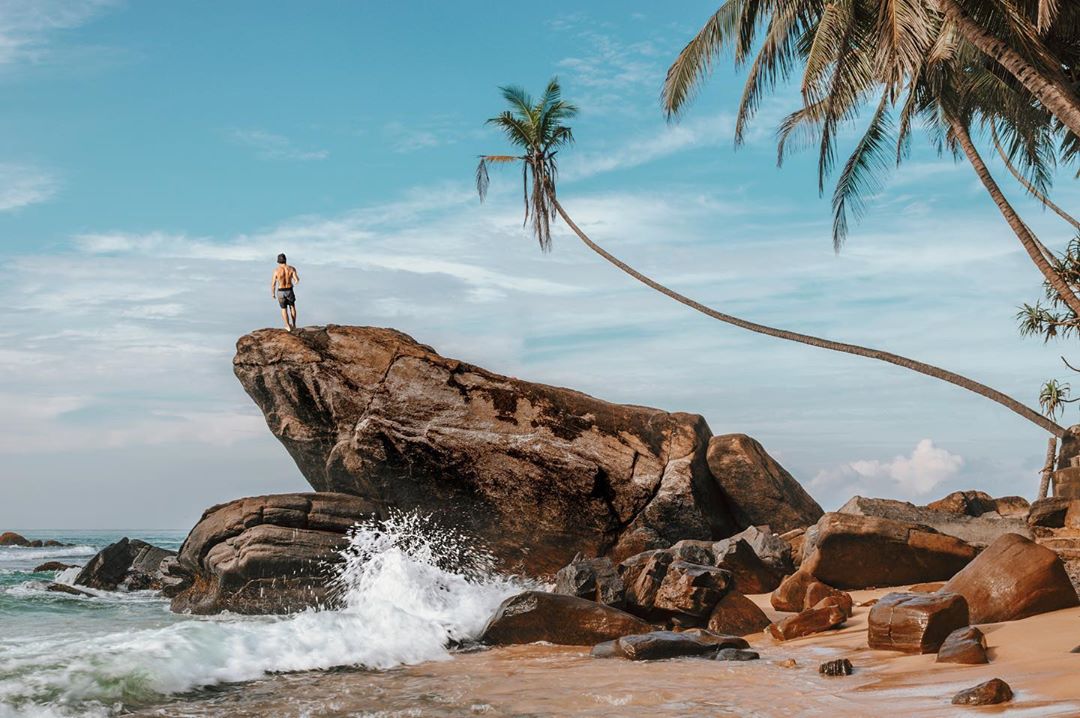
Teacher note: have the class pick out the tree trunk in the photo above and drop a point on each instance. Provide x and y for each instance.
(1048, 467)
(1031, 244)
(1058, 99)
(1027, 185)
(920, 367)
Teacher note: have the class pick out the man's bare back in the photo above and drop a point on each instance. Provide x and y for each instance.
(281, 288)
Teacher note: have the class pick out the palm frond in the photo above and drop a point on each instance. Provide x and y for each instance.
(863, 172)
(694, 62)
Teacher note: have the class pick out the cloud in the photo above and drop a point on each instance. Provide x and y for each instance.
(22, 185)
(916, 475)
(27, 26)
(271, 146)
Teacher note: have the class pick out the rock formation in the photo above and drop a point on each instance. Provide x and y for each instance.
(537, 473)
(128, 564)
(264, 554)
(980, 530)
(565, 620)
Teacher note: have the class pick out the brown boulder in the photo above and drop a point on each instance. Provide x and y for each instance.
(771, 548)
(981, 530)
(832, 597)
(1049, 513)
(790, 595)
(1012, 579)
(537, 473)
(850, 551)
(751, 574)
(264, 554)
(128, 564)
(657, 645)
(642, 575)
(915, 622)
(796, 539)
(991, 692)
(762, 491)
(53, 566)
(964, 645)
(691, 589)
(565, 620)
(812, 620)
(970, 503)
(737, 615)
(10, 538)
(595, 579)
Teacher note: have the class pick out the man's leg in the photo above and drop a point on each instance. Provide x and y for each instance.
(292, 311)
(285, 317)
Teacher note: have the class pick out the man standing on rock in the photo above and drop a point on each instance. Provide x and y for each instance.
(281, 288)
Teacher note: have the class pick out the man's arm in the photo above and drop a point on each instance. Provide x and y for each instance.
(295, 276)
(273, 284)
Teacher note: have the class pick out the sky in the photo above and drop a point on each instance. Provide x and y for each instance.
(155, 157)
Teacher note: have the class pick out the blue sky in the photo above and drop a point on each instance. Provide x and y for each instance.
(155, 157)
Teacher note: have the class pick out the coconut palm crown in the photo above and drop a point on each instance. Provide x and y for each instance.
(537, 128)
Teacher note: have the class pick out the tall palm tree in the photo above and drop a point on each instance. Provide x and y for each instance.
(536, 129)
(1036, 192)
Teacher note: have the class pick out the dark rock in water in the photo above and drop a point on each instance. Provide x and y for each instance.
(691, 589)
(852, 551)
(1014, 578)
(716, 639)
(915, 622)
(538, 473)
(595, 579)
(51, 543)
(981, 530)
(53, 566)
(264, 554)
(837, 667)
(804, 623)
(992, 692)
(656, 645)
(1049, 513)
(10, 538)
(736, 654)
(128, 564)
(566, 620)
(738, 615)
(964, 645)
(790, 595)
(64, 588)
(761, 490)
(751, 574)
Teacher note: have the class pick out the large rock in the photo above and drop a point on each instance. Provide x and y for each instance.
(265, 554)
(691, 589)
(1049, 512)
(978, 503)
(596, 579)
(566, 620)
(1012, 579)
(10, 538)
(128, 564)
(773, 550)
(981, 530)
(915, 622)
(761, 490)
(964, 645)
(852, 551)
(752, 575)
(790, 595)
(538, 473)
(737, 615)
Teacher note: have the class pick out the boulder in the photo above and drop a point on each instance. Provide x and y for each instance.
(915, 622)
(70, 590)
(796, 539)
(818, 595)
(752, 575)
(762, 492)
(538, 473)
(1012, 579)
(772, 549)
(979, 530)
(991, 692)
(836, 667)
(790, 595)
(737, 615)
(853, 551)
(657, 645)
(128, 564)
(595, 579)
(968, 503)
(10, 538)
(264, 554)
(1049, 513)
(964, 645)
(691, 551)
(736, 654)
(691, 589)
(804, 623)
(53, 566)
(565, 620)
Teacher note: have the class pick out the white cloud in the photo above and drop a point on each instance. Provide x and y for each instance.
(22, 185)
(271, 146)
(916, 475)
(27, 26)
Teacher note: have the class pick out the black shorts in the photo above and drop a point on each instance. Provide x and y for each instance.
(286, 298)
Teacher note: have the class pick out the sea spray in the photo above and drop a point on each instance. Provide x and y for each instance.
(406, 590)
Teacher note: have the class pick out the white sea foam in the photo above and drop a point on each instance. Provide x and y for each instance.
(407, 592)
(10, 554)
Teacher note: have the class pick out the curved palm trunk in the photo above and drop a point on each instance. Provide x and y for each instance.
(1027, 185)
(920, 367)
(1030, 242)
(1048, 467)
(1055, 96)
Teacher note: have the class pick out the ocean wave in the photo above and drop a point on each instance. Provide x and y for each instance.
(10, 554)
(408, 591)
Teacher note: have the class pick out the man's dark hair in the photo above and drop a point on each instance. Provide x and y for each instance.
(281, 259)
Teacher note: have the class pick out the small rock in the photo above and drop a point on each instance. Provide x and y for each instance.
(812, 620)
(964, 645)
(657, 645)
(736, 654)
(790, 595)
(787, 663)
(10, 538)
(53, 566)
(915, 622)
(838, 667)
(992, 692)
(839, 600)
(128, 564)
(818, 593)
(64, 588)
(595, 579)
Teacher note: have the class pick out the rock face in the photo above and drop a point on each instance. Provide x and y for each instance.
(1012, 579)
(566, 620)
(852, 551)
(1050, 512)
(773, 550)
(980, 529)
(761, 490)
(128, 564)
(790, 595)
(372, 413)
(964, 645)
(915, 622)
(264, 554)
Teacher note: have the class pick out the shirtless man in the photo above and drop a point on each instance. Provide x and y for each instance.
(281, 288)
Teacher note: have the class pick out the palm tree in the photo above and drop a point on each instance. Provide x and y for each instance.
(535, 129)
(1036, 192)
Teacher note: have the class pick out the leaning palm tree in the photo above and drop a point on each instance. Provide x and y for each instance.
(535, 128)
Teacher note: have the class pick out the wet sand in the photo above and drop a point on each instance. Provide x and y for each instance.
(540, 680)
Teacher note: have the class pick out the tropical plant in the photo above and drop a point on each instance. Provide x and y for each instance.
(528, 126)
